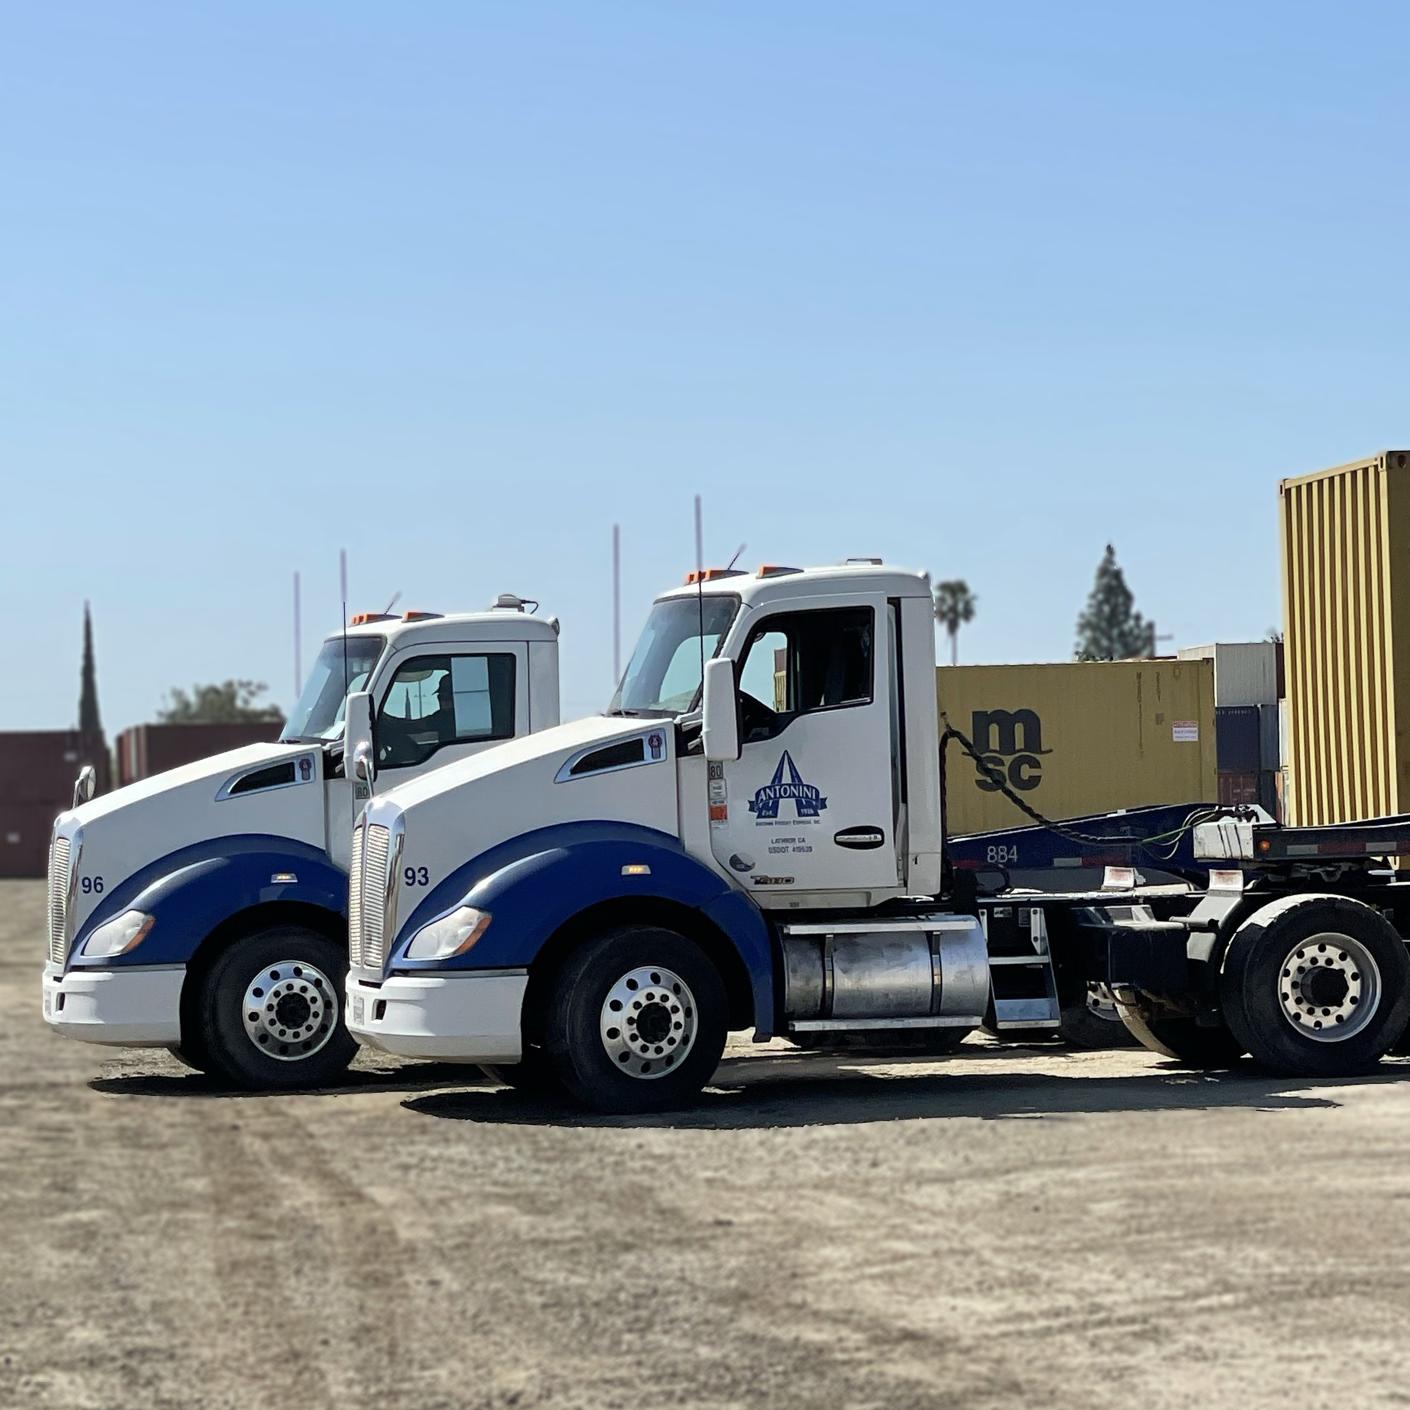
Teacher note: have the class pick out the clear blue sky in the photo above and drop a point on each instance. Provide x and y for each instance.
(458, 285)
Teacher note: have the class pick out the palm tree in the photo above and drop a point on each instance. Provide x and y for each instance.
(954, 605)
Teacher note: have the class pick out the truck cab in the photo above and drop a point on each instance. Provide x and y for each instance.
(205, 909)
(737, 842)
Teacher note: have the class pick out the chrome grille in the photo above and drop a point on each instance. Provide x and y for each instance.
(374, 896)
(59, 900)
(355, 900)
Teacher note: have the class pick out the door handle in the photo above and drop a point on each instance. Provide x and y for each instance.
(860, 839)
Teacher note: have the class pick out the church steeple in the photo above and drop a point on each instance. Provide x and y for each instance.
(89, 724)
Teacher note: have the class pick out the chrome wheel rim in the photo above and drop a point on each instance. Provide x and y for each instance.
(648, 1022)
(290, 1010)
(1101, 1003)
(1329, 987)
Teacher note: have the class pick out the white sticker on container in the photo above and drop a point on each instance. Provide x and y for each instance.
(1186, 731)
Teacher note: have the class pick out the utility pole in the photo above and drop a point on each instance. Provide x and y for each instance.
(699, 537)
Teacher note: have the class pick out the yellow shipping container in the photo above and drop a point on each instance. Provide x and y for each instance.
(1346, 602)
(1078, 737)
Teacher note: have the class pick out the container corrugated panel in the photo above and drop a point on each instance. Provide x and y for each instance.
(25, 833)
(1238, 733)
(40, 766)
(1238, 789)
(145, 750)
(1346, 592)
(1077, 738)
(1245, 672)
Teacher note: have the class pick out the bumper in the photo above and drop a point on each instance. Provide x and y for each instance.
(128, 1008)
(454, 1017)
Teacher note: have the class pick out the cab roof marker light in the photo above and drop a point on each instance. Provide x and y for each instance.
(776, 570)
(710, 575)
(362, 618)
(417, 616)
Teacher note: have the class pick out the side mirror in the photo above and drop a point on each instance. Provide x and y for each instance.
(86, 786)
(719, 715)
(359, 761)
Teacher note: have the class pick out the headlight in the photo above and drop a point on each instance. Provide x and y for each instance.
(117, 937)
(452, 934)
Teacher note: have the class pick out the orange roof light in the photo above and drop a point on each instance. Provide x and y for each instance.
(708, 575)
(414, 616)
(775, 570)
(362, 618)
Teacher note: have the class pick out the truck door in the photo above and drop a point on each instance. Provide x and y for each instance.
(437, 703)
(809, 805)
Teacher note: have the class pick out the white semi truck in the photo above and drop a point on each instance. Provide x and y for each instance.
(204, 909)
(751, 837)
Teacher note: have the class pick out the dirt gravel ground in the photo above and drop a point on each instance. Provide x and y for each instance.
(1003, 1228)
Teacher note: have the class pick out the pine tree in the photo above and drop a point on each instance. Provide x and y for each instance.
(89, 723)
(1108, 629)
(954, 605)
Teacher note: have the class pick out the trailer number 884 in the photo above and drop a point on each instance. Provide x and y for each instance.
(1002, 854)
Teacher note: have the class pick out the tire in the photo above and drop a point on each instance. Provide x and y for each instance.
(270, 1013)
(1175, 1036)
(1091, 1019)
(187, 1058)
(533, 1075)
(1316, 986)
(664, 988)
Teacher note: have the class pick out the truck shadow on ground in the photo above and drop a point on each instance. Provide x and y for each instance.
(816, 1090)
(414, 1077)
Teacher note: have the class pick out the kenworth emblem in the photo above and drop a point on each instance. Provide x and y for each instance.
(807, 800)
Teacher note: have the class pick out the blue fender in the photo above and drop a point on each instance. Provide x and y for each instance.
(193, 890)
(535, 883)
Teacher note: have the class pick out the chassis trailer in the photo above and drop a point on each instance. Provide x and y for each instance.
(751, 837)
(205, 909)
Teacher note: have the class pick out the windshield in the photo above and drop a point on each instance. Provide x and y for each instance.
(663, 676)
(319, 713)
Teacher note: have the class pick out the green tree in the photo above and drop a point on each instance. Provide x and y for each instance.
(228, 703)
(954, 606)
(1109, 629)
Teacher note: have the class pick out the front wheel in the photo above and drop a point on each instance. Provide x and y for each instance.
(270, 1013)
(1316, 986)
(636, 1021)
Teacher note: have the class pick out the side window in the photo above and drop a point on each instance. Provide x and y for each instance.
(805, 661)
(438, 700)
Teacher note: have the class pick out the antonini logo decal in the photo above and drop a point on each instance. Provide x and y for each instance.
(787, 785)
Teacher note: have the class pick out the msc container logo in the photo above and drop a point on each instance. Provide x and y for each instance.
(1011, 745)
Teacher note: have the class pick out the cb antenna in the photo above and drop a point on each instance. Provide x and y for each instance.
(735, 559)
(343, 582)
(386, 611)
(700, 590)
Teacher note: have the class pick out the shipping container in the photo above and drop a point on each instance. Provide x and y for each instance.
(38, 769)
(144, 750)
(1076, 738)
(1239, 789)
(1245, 672)
(1346, 598)
(1238, 737)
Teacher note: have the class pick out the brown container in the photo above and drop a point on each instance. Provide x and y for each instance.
(38, 769)
(1075, 738)
(1346, 598)
(145, 750)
